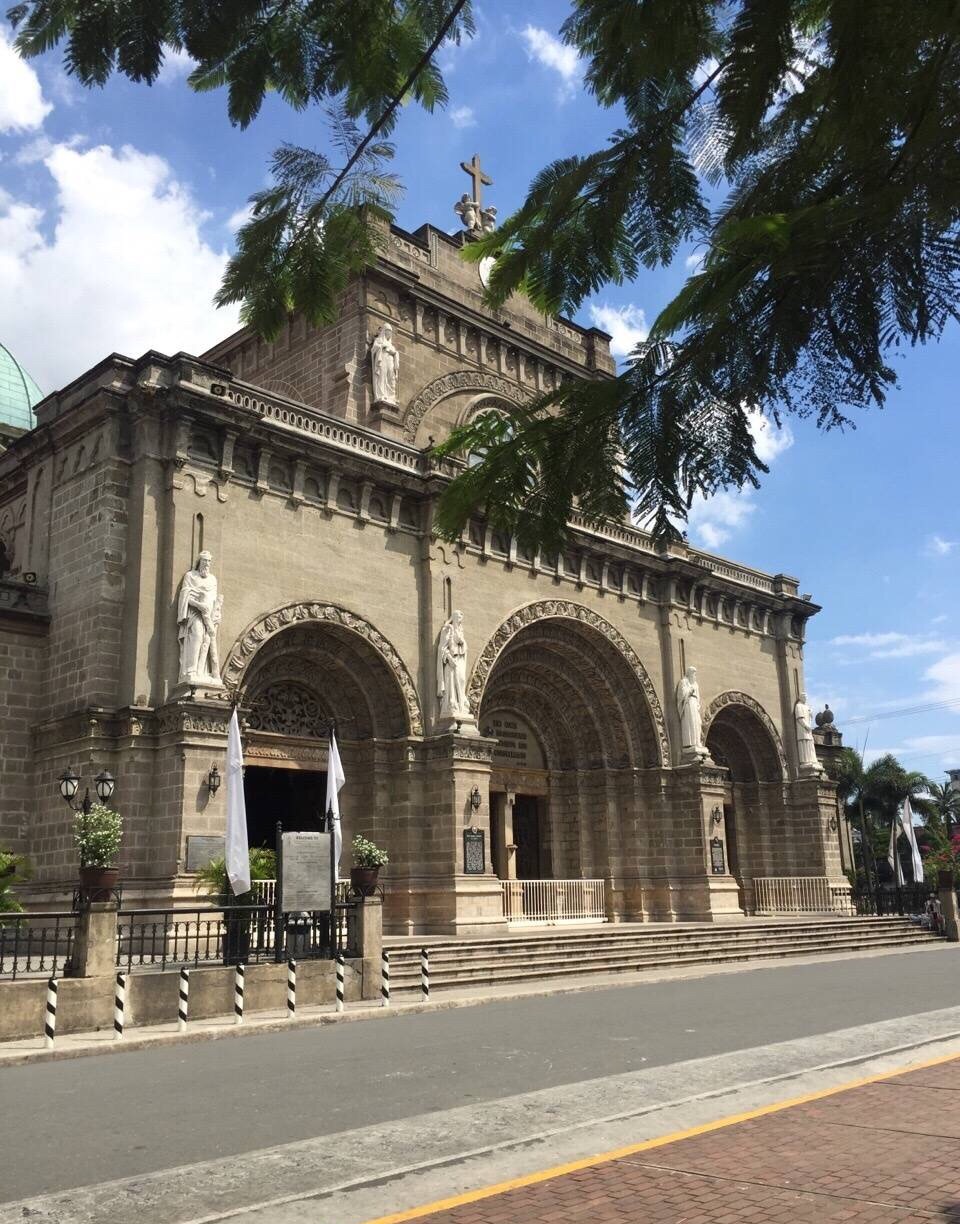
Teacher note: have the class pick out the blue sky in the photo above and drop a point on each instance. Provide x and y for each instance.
(117, 211)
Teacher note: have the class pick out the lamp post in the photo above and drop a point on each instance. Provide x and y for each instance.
(69, 784)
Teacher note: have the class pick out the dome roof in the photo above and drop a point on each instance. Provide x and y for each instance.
(18, 393)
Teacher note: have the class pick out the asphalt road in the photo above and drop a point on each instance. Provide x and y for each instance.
(91, 1120)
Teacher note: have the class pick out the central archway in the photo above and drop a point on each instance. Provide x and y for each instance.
(570, 679)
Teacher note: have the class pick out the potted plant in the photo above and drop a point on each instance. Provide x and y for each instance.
(237, 920)
(97, 834)
(367, 861)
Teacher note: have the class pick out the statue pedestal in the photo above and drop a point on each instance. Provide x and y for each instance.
(695, 756)
(187, 690)
(811, 769)
(459, 724)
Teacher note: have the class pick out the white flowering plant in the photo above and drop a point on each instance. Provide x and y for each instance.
(366, 854)
(97, 835)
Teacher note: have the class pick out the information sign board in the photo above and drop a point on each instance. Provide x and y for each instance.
(306, 873)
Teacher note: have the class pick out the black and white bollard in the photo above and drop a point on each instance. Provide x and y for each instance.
(339, 981)
(50, 1020)
(385, 978)
(183, 1003)
(291, 989)
(119, 1003)
(238, 996)
(424, 975)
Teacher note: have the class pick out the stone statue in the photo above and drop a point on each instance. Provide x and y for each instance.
(385, 366)
(691, 720)
(488, 219)
(199, 609)
(806, 747)
(469, 213)
(452, 669)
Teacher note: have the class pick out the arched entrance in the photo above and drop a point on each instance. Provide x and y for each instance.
(741, 738)
(570, 704)
(312, 664)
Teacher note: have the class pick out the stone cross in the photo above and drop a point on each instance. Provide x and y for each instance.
(477, 177)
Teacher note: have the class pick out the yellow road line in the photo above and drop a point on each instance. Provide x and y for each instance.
(573, 1166)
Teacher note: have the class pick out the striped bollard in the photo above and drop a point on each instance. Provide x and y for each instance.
(385, 978)
(238, 996)
(50, 1021)
(291, 989)
(183, 1003)
(425, 975)
(119, 1003)
(339, 981)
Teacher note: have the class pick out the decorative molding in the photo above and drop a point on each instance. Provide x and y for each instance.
(553, 609)
(458, 380)
(272, 623)
(289, 708)
(734, 698)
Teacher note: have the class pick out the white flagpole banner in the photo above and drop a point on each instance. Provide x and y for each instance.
(893, 855)
(237, 852)
(335, 781)
(906, 819)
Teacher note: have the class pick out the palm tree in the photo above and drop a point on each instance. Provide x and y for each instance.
(847, 771)
(885, 786)
(944, 813)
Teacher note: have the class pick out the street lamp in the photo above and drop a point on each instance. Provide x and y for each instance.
(69, 783)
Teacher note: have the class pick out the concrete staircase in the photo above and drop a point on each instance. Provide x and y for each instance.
(573, 954)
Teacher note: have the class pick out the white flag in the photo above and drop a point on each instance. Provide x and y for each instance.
(893, 854)
(335, 781)
(237, 852)
(906, 820)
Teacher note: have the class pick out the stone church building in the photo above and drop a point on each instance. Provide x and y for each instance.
(255, 523)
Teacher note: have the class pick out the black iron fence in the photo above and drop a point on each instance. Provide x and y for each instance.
(888, 900)
(158, 938)
(34, 944)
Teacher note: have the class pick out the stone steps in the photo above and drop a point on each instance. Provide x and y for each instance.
(489, 962)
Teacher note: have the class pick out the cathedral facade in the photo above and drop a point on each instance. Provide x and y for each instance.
(254, 525)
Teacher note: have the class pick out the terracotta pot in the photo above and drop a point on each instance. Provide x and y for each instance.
(945, 878)
(364, 880)
(99, 883)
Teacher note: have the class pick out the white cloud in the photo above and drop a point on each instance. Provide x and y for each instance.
(176, 65)
(552, 53)
(239, 218)
(463, 117)
(23, 107)
(937, 546)
(945, 675)
(713, 520)
(694, 261)
(627, 326)
(124, 268)
(890, 645)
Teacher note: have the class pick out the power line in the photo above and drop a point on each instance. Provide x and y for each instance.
(903, 711)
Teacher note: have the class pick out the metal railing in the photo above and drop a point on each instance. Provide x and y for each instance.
(889, 900)
(553, 901)
(36, 943)
(158, 938)
(265, 892)
(801, 895)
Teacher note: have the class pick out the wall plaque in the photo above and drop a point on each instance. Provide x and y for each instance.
(474, 852)
(203, 850)
(517, 745)
(306, 872)
(717, 863)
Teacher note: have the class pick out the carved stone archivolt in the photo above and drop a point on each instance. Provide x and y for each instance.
(733, 698)
(459, 380)
(554, 609)
(268, 626)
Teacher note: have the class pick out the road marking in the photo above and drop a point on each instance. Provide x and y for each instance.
(587, 1162)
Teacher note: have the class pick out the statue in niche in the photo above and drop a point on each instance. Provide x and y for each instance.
(384, 366)
(452, 669)
(691, 719)
(199, 610)
(806, 747)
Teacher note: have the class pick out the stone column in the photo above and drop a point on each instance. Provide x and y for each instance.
(95, 941)
(949, 907)
(370, 941)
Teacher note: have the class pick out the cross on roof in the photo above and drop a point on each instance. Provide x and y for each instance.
(477, 177)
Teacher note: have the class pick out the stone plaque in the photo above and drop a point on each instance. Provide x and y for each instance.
(517, 746)
(474, 853)
(306, 872)
(203, 850)
(717, 863)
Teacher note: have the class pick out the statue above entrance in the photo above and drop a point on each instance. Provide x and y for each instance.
(691, 719)
(199, 610)
(452, 675)
(806, 745)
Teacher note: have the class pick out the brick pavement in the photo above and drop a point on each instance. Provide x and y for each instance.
(882, 1152)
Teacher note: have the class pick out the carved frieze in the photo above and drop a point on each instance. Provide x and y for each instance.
(448, 384)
